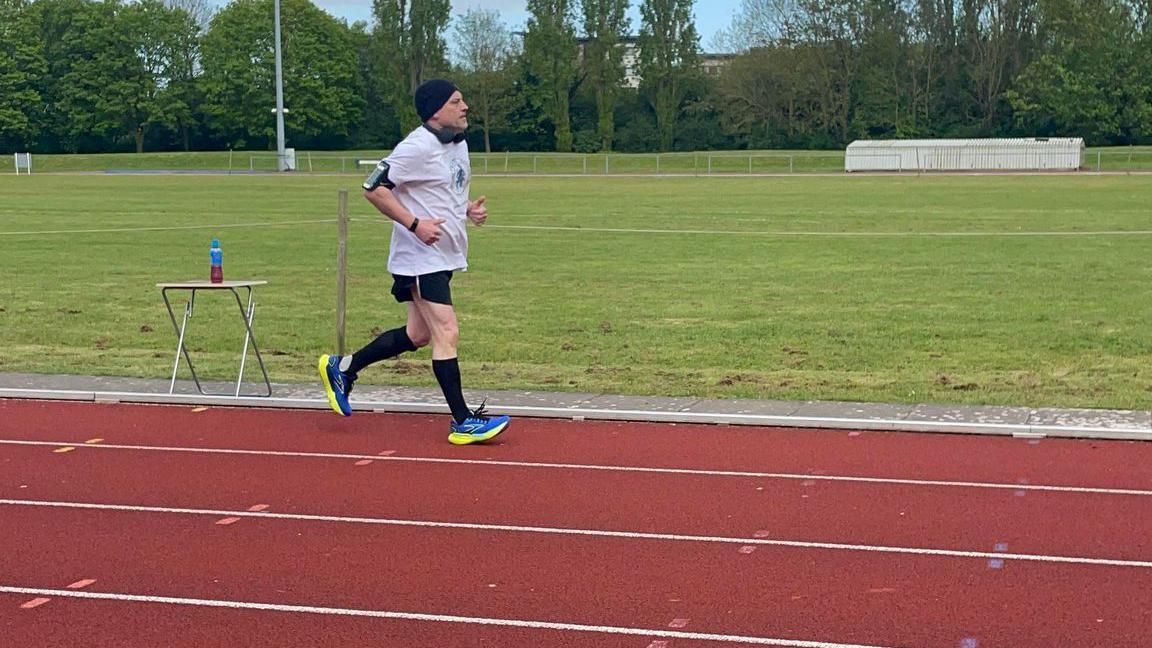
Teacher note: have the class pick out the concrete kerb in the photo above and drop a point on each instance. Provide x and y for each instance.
(1017, 421)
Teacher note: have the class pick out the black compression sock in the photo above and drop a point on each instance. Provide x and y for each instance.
(448, 375)
(386, 345)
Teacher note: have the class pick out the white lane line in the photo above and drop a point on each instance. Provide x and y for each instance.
(631, 535)
(788, 233)
(606, 468)
(168, 228)
(434, 618)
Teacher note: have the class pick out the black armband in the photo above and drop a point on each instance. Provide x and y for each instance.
(379, 178)
(412, 227)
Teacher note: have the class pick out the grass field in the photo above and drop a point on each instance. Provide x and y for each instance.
(1129, 158)
(996, 290)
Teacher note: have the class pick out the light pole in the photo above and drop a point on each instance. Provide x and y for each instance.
(281, 161)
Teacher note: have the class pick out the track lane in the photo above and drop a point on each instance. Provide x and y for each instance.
(1064, 524)
(772, 592)
(119, 624)
(947, 457)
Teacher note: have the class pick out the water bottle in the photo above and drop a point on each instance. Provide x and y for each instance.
(217, 261)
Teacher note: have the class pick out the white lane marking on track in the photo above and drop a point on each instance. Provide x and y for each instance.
(607, 468)
(634, 535)
(435, 618)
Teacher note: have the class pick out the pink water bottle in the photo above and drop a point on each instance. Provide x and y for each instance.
(217, 255)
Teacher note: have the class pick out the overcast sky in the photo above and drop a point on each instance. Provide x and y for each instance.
(711, 15)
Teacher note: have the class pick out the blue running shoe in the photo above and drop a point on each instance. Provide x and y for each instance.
(336, 383)
(477, 427)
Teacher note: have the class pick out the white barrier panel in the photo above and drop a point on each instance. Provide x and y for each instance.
(1023, 154)
(23, 161)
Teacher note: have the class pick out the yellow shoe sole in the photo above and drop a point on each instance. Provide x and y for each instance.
(322, 367)
(465, 439)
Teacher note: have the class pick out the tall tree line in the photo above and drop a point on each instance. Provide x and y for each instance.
(819, 73)
(114, 75)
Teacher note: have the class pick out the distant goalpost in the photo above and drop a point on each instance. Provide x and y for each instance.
(23, 161)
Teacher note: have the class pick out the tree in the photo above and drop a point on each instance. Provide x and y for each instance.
(550, 52)
(201, 11)
(769, 98)
(996, 38)
(408, 48)
(886, 83)
(319, 71)
(158, 92)
(1087, 79)
(378, 126)
(606, 27)
(485, 49)
(669, 61)
(756, 24)
(182, 96)
(21, 64)
(97, 73)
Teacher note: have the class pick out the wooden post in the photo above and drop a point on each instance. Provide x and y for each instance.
(341, 269)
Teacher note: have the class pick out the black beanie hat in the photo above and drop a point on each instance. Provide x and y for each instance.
(431, 97)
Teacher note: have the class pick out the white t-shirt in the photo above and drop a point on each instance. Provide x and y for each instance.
(431, 182)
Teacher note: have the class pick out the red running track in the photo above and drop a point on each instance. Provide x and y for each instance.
(562, 534)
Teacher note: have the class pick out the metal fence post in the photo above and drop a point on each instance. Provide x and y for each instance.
(791, 166)
(585, 163)
(709, 165)
(749, 165)
(657, 164)
(534, 158)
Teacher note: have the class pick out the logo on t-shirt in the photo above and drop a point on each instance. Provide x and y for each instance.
(459, 176)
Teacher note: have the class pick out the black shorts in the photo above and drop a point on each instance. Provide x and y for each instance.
(432, 287)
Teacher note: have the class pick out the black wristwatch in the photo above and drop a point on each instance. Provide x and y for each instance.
(415, 222)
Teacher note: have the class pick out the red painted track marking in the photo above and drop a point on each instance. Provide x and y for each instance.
(37, 602)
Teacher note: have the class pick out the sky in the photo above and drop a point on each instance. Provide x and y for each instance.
(711, 15)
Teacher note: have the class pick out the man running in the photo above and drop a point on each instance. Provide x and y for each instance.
(423, 187)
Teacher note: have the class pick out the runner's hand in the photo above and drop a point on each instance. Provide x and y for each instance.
(428, 230)
(477, 212)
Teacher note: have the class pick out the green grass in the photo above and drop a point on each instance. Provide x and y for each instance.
(899, 289)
